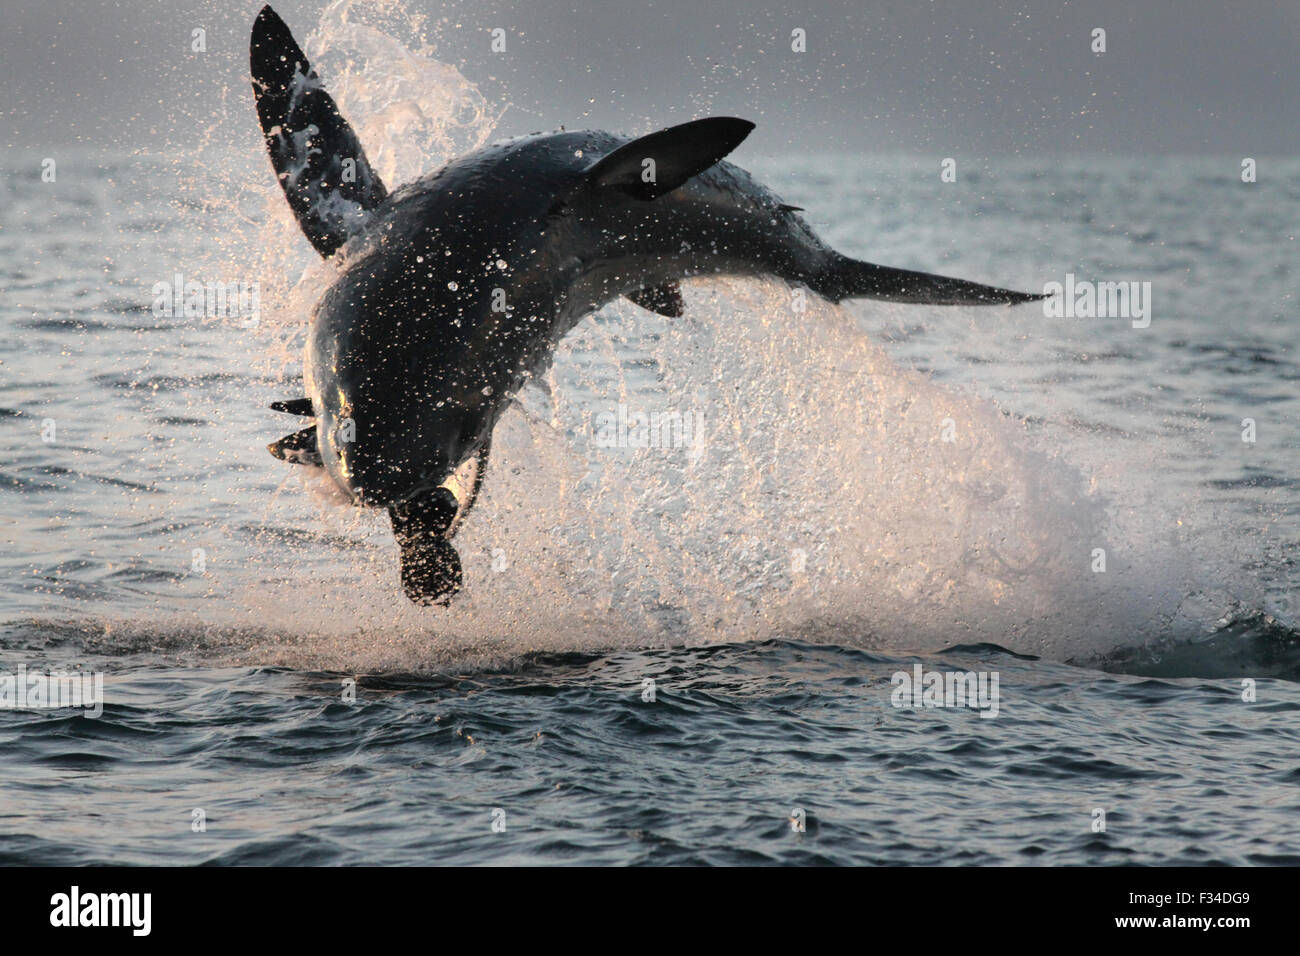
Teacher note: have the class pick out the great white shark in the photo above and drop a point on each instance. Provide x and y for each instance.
(457, 287)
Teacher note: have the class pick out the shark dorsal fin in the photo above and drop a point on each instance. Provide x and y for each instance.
(317, 157)
(650, 166)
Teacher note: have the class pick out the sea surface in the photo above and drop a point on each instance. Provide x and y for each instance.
(689, 652)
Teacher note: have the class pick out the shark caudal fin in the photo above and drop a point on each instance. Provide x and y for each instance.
(845, 278)
(317, 157)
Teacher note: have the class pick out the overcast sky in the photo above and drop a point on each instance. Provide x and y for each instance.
(1192, 76)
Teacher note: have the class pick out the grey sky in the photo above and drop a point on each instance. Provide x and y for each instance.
(1194, 76)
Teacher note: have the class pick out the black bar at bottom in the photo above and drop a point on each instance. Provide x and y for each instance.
(332, 905)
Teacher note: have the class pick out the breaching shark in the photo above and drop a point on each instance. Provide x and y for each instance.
(455, 288)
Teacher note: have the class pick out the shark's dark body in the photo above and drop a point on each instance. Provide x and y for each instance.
(424, 369)
(457, 287)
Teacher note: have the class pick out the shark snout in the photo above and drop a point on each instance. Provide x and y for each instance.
(383, 453)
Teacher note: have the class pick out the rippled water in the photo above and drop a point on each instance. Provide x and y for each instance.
(739, 737)
(822, 537)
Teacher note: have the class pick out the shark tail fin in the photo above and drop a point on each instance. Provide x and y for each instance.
(846, 278)
(317, 157)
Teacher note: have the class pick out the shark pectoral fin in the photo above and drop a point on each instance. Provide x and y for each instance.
(665, 299)
(298, 449)
(846, 278)
(294, 406)
(317, 157)
(648, 167)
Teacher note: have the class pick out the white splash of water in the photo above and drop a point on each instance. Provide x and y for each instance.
(837, 495)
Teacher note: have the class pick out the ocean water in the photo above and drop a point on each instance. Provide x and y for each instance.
(683, 653)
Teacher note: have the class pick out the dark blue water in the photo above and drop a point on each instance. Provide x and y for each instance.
(739, 737)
